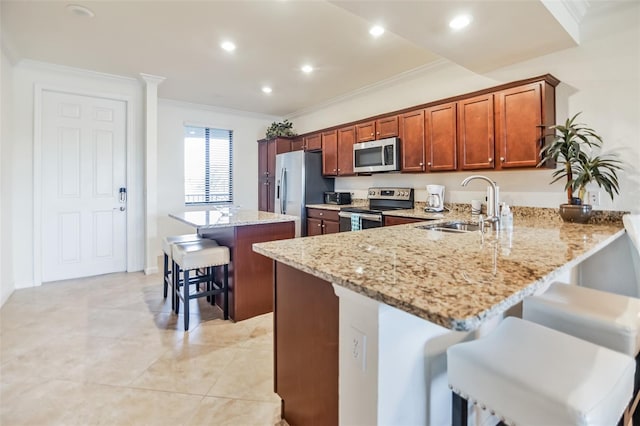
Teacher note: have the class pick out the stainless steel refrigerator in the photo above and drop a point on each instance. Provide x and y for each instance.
(299, 182)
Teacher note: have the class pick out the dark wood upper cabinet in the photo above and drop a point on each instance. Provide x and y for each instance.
(381, 128)
(475, 133)
(330, 153)
(501, 127)
(313, 142)
(412, 141)
(521, 116)
(346, 139)
(441, 137)
(297, 144)
(387, 127)
(366, 131)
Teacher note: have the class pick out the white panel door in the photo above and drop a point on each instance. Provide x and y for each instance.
(83, 169)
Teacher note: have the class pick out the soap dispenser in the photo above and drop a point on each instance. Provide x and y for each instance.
(506, 217)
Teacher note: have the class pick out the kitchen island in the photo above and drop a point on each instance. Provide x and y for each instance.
(393, 300)
(250, 274)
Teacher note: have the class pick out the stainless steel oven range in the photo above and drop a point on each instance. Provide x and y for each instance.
(380, 199)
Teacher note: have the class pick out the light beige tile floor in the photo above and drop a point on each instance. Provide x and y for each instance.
(107, 350)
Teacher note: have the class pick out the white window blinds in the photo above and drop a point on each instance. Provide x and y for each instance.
(208, 165)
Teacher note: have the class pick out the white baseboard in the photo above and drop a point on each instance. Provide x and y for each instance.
(152, 270)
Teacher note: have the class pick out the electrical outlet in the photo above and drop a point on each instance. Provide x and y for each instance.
(358, 347)
(594, 198)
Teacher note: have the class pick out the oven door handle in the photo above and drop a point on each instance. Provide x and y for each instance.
(363, 216)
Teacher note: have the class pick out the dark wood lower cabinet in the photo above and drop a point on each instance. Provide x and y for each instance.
(250, 273)
(306, 347)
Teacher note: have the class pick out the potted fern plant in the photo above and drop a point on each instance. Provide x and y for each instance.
(572, 148)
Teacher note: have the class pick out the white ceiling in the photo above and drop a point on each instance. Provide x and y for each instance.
(180, 40)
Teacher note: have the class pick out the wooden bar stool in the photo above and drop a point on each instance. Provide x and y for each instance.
(206, 254)
(527, 374)
(167, 242)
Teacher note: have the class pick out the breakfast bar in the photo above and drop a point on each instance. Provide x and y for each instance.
(250, 274)
(393, 299)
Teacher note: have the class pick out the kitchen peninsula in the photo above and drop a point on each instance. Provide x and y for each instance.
(397, 297)
(250, 274)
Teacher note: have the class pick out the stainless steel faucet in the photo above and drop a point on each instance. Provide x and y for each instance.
(492, 199)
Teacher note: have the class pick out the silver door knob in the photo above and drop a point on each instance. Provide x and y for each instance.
(429, 163)
(421, 164)
(502, 159)
(490, 159)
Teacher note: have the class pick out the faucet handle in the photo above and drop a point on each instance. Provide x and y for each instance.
(481, 223)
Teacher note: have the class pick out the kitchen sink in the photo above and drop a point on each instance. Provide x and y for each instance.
(455, 227)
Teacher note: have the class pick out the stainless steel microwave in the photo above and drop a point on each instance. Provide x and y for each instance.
(382, 155)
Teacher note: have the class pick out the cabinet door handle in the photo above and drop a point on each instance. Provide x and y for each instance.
(321, 214)
(490, 159)
(421, 164)
(378, 132)
(429, 163)
(319, 225)
(371, 134)
(502, 159)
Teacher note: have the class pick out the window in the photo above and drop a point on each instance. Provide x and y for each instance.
(208, 170)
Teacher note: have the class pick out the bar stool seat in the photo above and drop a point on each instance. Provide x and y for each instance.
(203, 254)
(527, 374)
(606, 319)
(167, 243)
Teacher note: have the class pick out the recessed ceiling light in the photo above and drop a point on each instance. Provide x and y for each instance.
(460, 22)
(306, 69)
(267, 89)
(376, 31)
(79, 10)
(228, 46)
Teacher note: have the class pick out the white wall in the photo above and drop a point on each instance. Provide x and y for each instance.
(20, 194)
(601, 77)
(247, 129)
(6, 80)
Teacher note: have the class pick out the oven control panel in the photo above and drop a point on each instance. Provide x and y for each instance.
(390, 193)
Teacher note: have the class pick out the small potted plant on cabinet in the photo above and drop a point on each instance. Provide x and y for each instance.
(571, 148)
(284, 128)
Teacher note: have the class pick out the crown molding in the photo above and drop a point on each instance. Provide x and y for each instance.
(379, 85)
(47, 66)
(214, 108)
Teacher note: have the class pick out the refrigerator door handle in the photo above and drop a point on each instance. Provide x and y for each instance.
(283, 195)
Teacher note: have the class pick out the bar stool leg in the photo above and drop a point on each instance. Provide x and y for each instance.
(185, 299)
(459, 410)
(225, 283)
(173, 286)
(165, 276)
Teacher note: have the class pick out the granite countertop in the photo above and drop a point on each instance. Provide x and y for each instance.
(223, 217)
(454, 280)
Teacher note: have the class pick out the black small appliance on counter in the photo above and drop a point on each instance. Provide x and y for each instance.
(337, 198)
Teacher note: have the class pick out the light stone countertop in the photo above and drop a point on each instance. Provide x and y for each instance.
(454, 280)
(224, 217)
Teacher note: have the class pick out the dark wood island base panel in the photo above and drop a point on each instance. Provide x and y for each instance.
(250, 273)
(306, 347)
